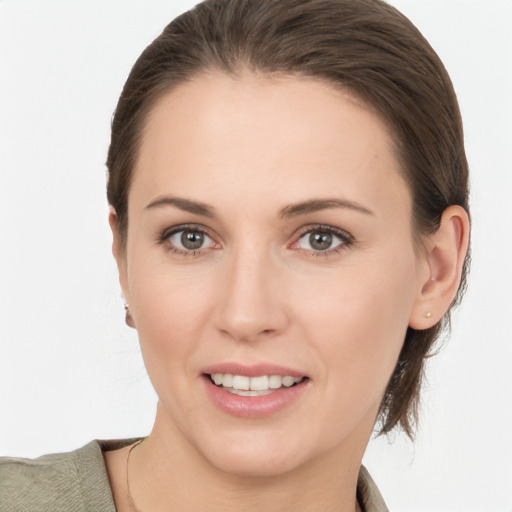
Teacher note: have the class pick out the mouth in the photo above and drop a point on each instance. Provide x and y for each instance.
(254, 391)
(261, 385)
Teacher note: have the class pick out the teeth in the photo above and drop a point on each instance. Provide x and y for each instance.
(288, 381)
(246, 384)
(227, 380)
(241, 382)
(275, 381)
(259, 383)
(248, 393)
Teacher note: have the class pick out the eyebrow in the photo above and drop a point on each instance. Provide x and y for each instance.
(292, 210)
(186, 205)
(315, 205)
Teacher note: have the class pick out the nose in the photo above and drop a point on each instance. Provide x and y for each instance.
(252, 304)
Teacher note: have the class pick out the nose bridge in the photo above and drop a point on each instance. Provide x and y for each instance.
(250, 305)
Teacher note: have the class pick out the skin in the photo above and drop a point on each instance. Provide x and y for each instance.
(249, 147)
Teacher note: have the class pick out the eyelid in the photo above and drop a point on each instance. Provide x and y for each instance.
(167, 232)
(346, 238)
(163, 237)
(326, 228)
(343, 235)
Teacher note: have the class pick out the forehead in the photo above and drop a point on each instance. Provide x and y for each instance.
(261, 134)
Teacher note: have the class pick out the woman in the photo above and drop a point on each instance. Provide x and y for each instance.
(289, 207)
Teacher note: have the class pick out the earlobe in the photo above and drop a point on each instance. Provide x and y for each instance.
(128, 317)
(445, 251)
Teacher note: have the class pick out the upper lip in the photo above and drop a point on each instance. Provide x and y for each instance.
(253, 370)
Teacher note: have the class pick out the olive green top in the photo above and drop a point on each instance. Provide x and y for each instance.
(78, 482)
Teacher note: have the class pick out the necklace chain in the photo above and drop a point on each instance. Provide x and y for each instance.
(131, 501)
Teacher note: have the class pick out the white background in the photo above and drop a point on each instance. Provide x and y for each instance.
(70, 370)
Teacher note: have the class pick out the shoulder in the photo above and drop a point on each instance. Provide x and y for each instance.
(64, 482)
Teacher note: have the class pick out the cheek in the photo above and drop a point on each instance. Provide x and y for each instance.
(171, 308)
(358, 321)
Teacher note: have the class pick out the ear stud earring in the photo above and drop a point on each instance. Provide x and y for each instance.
(128, 318)
(428, 314)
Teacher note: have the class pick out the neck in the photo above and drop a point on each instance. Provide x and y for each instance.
(167, 473)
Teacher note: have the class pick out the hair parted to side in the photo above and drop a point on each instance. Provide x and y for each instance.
(364, 46)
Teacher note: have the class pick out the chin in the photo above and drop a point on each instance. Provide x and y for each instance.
(260, 464)
(259, 454)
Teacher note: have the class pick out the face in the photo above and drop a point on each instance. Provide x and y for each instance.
(270, 269)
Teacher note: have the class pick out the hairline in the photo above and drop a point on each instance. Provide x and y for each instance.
(350, 93)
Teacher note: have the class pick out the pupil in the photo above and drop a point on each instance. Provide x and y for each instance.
(192, 239)
(320, 241)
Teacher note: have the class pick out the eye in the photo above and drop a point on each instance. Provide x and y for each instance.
(187, 240)
(190, 239)
(323, 240)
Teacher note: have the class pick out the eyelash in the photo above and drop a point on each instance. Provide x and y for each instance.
(164, 238)
(346, 239)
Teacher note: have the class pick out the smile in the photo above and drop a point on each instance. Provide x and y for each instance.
(257, 390)
(262, 385)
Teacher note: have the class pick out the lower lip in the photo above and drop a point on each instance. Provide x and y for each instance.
(253, 406)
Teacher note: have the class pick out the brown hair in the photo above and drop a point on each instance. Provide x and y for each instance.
(364, 46)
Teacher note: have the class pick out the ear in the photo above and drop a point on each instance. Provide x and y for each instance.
(441, 268)
(120, 257)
